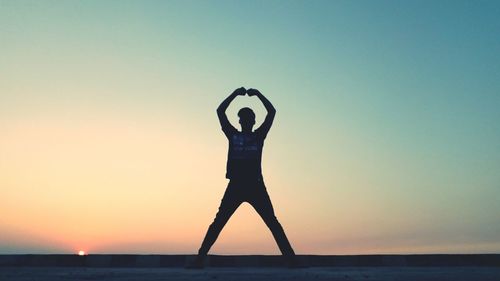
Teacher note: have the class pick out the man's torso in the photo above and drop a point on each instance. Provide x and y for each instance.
(244, 156)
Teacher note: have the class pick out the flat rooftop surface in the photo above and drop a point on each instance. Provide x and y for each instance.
(240, 274)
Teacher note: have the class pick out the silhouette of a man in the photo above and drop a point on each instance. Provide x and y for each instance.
(245, 174)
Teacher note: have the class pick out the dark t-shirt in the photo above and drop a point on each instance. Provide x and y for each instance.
(245, 155)
(245, 149)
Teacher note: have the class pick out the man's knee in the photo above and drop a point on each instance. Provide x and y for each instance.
(272, 221)
(219, 220)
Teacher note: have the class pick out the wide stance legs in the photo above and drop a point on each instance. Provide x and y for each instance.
(253, 192)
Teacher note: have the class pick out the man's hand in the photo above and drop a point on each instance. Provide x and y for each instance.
(271, 112)
(253, 92)
(221, 111)
(240, 91)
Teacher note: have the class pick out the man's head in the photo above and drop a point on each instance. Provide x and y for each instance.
(247, 118)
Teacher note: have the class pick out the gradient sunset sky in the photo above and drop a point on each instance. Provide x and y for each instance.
(386, 139)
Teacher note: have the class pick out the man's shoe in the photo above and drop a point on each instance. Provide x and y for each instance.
(295, 262)
(197, 263)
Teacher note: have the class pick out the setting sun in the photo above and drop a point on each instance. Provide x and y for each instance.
(81, 253)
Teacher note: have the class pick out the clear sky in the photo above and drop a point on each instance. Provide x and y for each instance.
(386, 139)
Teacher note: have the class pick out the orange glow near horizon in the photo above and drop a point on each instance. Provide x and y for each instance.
(155, 188)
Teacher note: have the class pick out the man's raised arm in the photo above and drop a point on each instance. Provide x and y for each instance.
(271, 111)
(221, 110)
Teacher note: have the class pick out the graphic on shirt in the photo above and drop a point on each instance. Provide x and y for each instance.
(244, 147)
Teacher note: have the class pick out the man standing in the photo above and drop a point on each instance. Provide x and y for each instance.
(245, 174)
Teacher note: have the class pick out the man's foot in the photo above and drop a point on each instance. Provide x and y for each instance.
(197, 263)
(295, 262)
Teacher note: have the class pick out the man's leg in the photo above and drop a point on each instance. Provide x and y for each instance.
(262, 204)
(229, 203)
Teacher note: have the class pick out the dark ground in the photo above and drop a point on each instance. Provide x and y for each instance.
(248, 273)
(106, 267)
